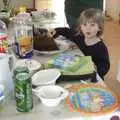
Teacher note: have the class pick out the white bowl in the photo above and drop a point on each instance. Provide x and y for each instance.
(45, 77)
(51, 95)
(32, 65)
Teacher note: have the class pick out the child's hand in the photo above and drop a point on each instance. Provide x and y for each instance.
(51, 33)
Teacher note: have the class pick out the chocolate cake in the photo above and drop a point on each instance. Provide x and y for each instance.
(43, 42)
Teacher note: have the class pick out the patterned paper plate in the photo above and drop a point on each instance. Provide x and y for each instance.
(92, 99)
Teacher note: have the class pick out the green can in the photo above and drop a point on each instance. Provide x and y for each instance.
(23, 92)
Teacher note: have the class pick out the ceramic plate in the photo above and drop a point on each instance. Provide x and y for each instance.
(90, 99)
(45, 77)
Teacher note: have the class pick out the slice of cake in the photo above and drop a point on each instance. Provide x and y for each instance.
(42, 42)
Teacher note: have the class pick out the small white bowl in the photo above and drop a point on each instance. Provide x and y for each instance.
(51, 95)
(46, 77)
(32, 65)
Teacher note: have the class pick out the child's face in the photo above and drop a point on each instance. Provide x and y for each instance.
(89, 29)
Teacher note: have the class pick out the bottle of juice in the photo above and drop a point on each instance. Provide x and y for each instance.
(23, 34)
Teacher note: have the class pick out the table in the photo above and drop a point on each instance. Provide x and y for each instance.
(41, 112)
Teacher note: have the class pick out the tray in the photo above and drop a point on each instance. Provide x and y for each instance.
(71, 78)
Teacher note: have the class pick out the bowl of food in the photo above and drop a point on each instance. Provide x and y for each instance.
(51, 95)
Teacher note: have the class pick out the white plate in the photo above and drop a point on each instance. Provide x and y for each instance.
(45, 77)
(49, 52)
(31, 64)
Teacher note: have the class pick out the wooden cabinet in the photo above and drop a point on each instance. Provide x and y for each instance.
(43, 4)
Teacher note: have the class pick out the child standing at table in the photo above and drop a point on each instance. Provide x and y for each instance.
(87, 38)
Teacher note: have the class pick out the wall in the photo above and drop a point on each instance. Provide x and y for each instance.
(113, 9)
(17, 3)
(53, 5)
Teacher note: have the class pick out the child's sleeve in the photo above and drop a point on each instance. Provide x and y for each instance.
(104, 64)
(64, 31)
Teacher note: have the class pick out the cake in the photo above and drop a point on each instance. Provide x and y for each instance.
(43, 42)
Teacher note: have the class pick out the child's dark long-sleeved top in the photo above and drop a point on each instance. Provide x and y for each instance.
(98, 51)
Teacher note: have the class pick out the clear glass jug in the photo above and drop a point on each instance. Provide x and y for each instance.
(23, 35)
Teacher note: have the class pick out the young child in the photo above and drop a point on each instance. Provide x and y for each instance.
(87, 38)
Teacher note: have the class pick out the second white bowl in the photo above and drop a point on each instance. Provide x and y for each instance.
(51, 95)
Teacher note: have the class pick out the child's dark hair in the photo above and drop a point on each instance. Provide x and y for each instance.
(94, 15)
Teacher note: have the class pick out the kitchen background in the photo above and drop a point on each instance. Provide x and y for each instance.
(112, 7)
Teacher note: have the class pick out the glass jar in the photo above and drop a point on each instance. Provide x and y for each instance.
(23, 35)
